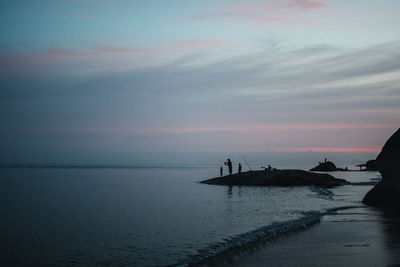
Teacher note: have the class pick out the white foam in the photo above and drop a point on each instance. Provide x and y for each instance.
(322, 192)
(264, 233)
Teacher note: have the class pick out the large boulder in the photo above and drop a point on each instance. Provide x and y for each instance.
(386, 194)
(371, 165)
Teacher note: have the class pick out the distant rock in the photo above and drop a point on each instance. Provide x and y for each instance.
(278, 178)
(370, 165)
(327, 166)
(386, 194)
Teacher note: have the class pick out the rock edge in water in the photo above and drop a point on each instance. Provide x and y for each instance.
(386, 194)
(278, 178)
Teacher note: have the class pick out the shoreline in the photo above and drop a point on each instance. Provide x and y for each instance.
(359, 236)
(344, 236)
(243, 246)
(245, 253)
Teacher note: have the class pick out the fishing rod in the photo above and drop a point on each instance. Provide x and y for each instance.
(245, 161)
(223, 162)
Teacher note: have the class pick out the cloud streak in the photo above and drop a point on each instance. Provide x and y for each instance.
(271, 127)
(330, 149)
(260, 11)
(12, 58)
(268, 99)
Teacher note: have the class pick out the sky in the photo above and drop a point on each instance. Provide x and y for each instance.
(153, 81)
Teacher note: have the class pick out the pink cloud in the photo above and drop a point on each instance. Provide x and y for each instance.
(181, 130)
(203, 43)
(104, 50)
(277, 137)
(261, 12)
(272, 127)
(9, 59)
(177, 46)
(329, 149)
(306, 4)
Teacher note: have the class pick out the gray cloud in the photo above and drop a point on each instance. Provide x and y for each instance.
(317, 84)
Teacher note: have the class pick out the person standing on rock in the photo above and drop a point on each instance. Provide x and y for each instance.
(240, 168)
(228, 162)
(221, 171)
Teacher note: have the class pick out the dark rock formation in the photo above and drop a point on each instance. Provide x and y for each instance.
(327, 166)
(386, 194)
(371, 165)
(278, 178)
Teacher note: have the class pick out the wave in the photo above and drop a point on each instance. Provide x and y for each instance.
(234, 246)
(243, 244)
(322, 192)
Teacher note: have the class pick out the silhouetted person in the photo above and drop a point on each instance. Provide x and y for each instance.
(221, 171)
(229, 163)
(265, 167)
(240, 168)
(325, 160)
(269, 167)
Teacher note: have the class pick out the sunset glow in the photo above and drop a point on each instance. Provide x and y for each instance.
(183, 132)
(110, 80)
(331, 149)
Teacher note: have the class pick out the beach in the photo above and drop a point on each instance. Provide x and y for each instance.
(352, 237)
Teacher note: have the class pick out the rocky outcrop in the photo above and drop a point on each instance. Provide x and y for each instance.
(327, 166)
(386, 193)
(371, 165)
(278, 178)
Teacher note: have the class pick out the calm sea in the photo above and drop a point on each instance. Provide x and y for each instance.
(144, 215)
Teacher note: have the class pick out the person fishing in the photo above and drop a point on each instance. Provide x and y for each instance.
(240, 168)
(228, 162)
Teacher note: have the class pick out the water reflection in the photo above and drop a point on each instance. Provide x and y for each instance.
(391, 233)
(238, 190)
(230, 192)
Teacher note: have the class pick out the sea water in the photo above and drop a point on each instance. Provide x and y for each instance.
(146, 215)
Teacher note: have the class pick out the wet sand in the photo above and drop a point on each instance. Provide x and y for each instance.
(353, 237)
